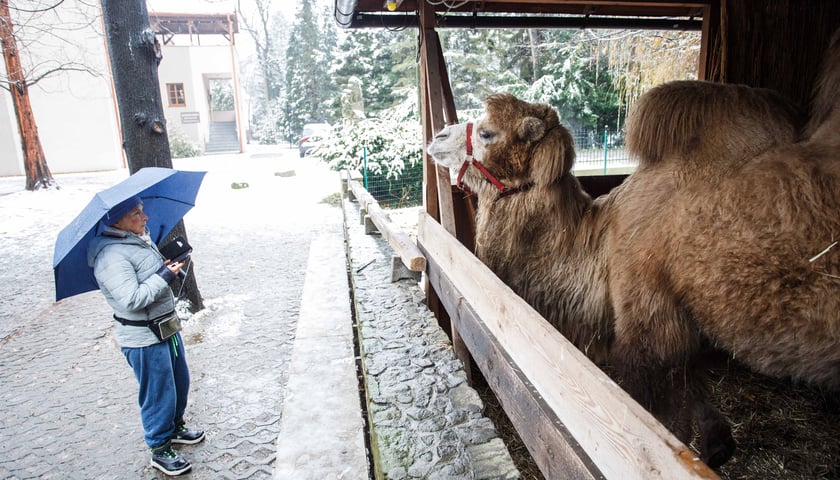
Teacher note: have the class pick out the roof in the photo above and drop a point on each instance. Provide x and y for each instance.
(194, 23)
(659, 14)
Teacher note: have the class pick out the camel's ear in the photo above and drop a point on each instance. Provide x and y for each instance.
(552, 157)
(531, 129)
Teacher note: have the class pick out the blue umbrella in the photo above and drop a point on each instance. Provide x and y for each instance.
(167, 196)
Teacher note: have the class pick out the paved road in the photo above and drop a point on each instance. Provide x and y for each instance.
(69, 398)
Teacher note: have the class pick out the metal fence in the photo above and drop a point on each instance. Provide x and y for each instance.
(598, 153)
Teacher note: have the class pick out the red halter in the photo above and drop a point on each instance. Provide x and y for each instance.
(471, 161)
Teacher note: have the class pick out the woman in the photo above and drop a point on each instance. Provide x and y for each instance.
(134, 277)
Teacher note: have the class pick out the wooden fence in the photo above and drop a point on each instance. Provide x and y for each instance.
(574, 420)
(375, 218)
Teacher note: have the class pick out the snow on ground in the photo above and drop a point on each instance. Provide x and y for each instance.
(283, 189)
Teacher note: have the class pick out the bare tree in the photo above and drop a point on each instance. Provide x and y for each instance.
(21, 75)
(135, 54)
(267, 30)
(38, 174)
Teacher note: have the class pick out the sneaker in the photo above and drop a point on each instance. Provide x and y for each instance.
(168, 461)
(186, 436)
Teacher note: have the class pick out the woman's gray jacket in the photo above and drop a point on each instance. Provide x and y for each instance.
(127, 271)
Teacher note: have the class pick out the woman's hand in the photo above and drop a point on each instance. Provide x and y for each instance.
(174, 267)
(170, 270)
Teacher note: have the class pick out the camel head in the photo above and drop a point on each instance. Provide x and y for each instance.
(514, 144)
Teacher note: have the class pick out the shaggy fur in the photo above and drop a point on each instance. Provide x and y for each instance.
(714, 241)
(675, 121)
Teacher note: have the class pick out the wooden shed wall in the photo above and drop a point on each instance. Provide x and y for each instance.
(775, 44)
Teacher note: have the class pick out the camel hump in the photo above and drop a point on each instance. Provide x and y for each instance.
(697, 119)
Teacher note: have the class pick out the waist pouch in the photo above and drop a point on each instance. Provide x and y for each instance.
(163, 326)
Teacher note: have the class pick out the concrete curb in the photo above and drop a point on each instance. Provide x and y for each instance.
(322, 431)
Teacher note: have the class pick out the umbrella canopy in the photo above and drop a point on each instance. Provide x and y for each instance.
(167, 196)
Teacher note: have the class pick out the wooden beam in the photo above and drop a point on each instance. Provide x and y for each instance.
(431, 51)
(430, 193)
(376, 20)
(620, 437)
(428, 97)
(441, 110)
(708, 67)
(553, 448)
(402, 244)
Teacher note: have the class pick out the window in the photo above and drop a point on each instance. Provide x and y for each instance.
(175, 92)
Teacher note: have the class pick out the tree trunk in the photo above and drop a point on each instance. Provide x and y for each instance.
(38, 174)
(135, 54)
(535, 65)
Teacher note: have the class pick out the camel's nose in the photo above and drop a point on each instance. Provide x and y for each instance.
(442, 135)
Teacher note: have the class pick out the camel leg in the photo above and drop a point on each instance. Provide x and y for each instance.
(655, 354)
(716, 442)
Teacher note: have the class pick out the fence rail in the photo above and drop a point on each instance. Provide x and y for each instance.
(575, 421)
(375, 218)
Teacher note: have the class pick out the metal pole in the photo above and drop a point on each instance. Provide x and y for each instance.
(364, 162)
(605, 150)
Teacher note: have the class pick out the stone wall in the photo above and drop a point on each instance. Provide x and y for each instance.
(425, 420)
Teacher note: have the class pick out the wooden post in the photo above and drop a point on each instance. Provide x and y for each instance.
(438, 109)
(234, 69)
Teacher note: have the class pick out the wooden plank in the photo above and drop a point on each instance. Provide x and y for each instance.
(553, 448)
(402, 244)
(622, 438)
(709, 44)
(430, 197)
(432, 53)
(442, 108)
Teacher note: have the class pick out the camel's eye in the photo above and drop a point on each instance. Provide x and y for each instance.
(486, 136)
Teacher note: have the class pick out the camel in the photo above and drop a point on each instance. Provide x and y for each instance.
(725, 237)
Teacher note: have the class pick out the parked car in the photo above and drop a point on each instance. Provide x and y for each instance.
(312, 135)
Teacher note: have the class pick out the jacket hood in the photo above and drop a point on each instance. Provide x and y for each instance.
(107, 236)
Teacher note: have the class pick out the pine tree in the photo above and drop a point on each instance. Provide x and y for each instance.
(306, 74)
(372, 55)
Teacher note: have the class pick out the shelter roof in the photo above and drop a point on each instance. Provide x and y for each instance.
(194, 23)
(685, 14)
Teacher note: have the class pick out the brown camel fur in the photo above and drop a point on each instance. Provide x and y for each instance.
(723, 237)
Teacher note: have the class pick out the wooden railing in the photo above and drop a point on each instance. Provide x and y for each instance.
(576, 422)
(375, 217)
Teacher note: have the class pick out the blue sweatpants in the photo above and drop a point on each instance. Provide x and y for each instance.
(161, 369)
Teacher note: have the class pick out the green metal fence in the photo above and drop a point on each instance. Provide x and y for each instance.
(598, 153)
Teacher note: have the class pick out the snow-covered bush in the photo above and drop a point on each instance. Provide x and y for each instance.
(386, 149)
(271, 125)
(180, 146)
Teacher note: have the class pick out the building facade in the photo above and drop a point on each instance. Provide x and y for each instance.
(76, 111)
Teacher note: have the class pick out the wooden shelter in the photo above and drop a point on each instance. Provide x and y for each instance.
(575, 422)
